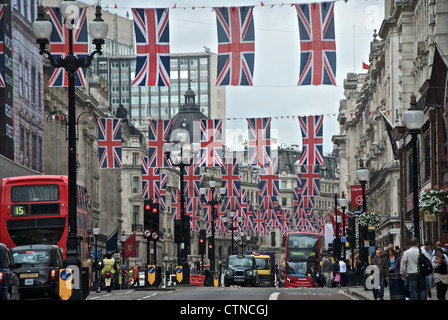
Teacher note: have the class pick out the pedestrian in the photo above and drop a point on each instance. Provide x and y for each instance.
(342, 271)
(336, 274)
(380, 264)
(429, 278)
(439, 263)
(409, 268)
(327, 270)
(391, 260)
(136, 275)
(314, 277)
(439, 245)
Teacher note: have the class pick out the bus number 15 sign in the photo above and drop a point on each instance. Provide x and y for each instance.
(19, 210)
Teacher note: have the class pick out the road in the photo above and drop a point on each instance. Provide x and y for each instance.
(192, 293)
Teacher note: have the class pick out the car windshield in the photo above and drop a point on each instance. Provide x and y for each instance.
(241, 262)
(31, 257)
(262, 263)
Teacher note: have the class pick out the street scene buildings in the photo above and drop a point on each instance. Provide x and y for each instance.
(408, 69)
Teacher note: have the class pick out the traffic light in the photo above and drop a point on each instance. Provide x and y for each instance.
(147, 225)
(330, 248)
(151, 216)
(211, 250)
(445, 223)
(155, 217)
(351, 231)
(202, 238)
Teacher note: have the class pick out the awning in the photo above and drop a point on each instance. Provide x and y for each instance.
(438, 82)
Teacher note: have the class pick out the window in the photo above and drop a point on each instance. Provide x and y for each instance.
(135, 184)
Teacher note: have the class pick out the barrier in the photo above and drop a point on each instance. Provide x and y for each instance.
(396, 286)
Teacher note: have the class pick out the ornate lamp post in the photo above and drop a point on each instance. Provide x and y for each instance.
(212, 202)
(414, 119)
(180, 155)
(363, 175)
(343, 203)
(98, 30)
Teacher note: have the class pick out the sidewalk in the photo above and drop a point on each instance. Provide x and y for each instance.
(362, 294)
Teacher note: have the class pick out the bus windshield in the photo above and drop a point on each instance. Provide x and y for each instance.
(302, 254)
(35, 193)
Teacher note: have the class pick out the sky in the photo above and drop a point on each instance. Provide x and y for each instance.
(277, 50)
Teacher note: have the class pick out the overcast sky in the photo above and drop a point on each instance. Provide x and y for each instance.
(277, 47)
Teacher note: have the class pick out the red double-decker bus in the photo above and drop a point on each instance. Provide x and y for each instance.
(34, 210)
(302, 252)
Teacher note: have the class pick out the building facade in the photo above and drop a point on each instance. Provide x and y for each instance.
(401, 66)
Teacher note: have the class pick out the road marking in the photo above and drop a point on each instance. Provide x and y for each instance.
(347, 295)
(274, 296)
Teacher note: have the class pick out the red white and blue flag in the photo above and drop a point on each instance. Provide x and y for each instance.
(109, 143)
(231, 181)
(236, 46)
(268, 181)
(59, 46)
(317, 43)
(153, 47)
(310, 180)
(312, 140)
(192, 180)
(2, 49)
(159, 132)
(150, 180)
(175, 204)
(162, 191)
(211, 143)
(259, 133)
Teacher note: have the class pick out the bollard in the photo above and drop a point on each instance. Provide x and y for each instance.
(396, 286)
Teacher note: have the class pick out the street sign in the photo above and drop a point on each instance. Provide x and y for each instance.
(65, 283)
(155, 236)
(179, 274)
(147, 233)
(215, 280)
(151, 274)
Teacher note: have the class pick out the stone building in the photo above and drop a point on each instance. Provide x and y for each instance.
(401, 66)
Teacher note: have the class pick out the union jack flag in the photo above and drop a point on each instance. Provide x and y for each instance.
(175, 204)
(236, 46)
(258, 221)
(268, 181)
(310, 180)
(59, 46)
(159, 132)
(153, 47)
(192, 181)
(259, 132)
(109, 143)
(2, 48)
(162, 191)
(232, 183)
(150, 180)
(193, 205)
(317, 43)
(312, 139)
(211, 143)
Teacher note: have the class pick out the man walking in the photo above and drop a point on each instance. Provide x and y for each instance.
(409, 267)
(327, 270)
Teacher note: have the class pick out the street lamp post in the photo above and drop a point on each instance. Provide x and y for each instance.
(212, 202)
(414, 119)
(230, 224)
(363, 175)
(42, 29)
(96, 233)
(343, 202)
(180, 156)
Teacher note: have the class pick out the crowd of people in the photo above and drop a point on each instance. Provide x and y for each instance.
(336, 272)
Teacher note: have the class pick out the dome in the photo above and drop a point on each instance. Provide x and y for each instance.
(188, 113)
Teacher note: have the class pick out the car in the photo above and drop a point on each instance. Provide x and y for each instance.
(37, 267)
(241, 270)
(9, 283)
